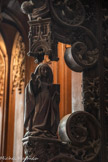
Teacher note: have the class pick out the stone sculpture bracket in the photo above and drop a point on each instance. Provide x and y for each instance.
(47, 150)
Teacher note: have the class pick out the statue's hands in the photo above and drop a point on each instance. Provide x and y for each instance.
(36, 82)
(56, 96)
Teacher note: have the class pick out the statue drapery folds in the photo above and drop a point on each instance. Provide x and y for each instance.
(42, 102)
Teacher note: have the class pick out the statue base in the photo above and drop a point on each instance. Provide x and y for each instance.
(39, 149)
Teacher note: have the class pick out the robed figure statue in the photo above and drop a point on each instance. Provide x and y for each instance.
(41, 103)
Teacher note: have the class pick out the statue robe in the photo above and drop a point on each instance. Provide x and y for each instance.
(41, 110)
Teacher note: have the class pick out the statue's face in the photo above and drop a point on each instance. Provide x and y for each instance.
(44, 71)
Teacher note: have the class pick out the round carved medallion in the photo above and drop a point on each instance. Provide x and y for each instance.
(82, 131)
(68, 12)
(83, 55)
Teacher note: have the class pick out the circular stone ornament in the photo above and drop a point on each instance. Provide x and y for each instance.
(70, 61)
(83, 56)
(83, 133)
(68, 12)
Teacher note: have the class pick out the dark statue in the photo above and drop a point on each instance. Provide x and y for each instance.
(41, 102)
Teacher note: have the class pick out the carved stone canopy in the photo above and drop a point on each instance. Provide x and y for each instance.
(41, 39)
(47, 18)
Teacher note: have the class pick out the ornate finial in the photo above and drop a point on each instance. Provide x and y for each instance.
(35, 9)
(27, 7)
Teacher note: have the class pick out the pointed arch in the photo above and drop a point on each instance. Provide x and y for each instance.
(3, 91)
(16, 98)
(18, 63)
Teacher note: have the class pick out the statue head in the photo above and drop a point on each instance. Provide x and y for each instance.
(45, 72)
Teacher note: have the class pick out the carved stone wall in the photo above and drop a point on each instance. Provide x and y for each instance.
(91, 95)
(18, 64)
(91, 98)
(105, 61)
(95, 80)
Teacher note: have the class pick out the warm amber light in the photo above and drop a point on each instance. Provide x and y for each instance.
(67, 45)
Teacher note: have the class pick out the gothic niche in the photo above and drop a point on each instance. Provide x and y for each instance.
(18, 64)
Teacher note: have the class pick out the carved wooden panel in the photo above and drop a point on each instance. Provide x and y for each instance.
(105, 77)
(18, 64)
(95, 80)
